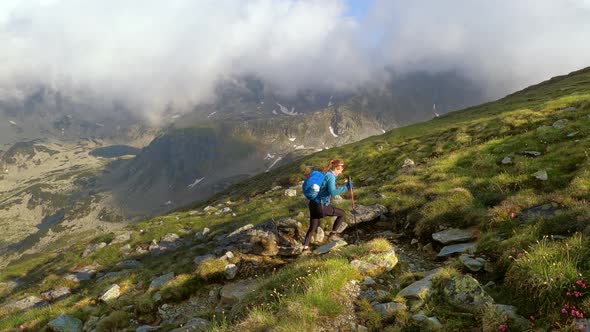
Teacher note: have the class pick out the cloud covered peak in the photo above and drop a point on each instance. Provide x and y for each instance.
(154, 55)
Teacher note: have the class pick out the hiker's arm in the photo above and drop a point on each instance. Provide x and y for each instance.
(332, 187)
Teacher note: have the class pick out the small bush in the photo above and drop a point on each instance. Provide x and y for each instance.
(378, 245)
(180, 288)
(453, 209)
(367, 316)
(145, 303)
(540, 277)
(212, 268)
(580, 185)
(114, 322)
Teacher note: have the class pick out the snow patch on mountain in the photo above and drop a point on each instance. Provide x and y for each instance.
(269, 156)
(12, 123)
(299, 147)
(273, 163)
(192, 185)
(285, 110)
(292, 139)
(275, 112)
(383, 130)
(211, 114)
(332, 132)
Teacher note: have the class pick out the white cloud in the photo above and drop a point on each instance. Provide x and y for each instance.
(152, 54)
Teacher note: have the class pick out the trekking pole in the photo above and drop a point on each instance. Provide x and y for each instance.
(351, 192)
(353, 211)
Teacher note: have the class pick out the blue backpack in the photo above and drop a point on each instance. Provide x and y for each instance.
(312, 185)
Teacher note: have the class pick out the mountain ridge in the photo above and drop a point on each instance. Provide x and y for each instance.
(514, 172)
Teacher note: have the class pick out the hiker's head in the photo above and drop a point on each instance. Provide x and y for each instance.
(336, 165)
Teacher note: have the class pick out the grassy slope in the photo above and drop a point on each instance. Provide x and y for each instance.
(459, 181)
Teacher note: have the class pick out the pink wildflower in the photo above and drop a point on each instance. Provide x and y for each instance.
(564, 311)
(502, 328)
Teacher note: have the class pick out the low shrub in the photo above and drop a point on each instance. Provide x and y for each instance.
(540, 277)
(455, 208)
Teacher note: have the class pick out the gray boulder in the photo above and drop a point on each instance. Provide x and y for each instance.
(319, 236)
(28, 302)
(329, 247)
(147, 328)
(470, 247)
(290, 192)
(428, 323)
(203, 234)
(234, 292)
(240, 230)
(376, 263)
(416, 293)
(532, 153)
(90, 324)
(169, 238)
(111, 294)
(507, 160)
(230, 271)
(56, 294)
(519, 323)
(92, 248)
(129, 264)
(465, 293)
(389, 310)
(560, 124)
(195, 324)
(408, 163)
(161, 281)
(84, 274)
(473, 264)
(363, 213)
(66, 323)
(200, 259)
(541, 175)
(453, 235)
(121, 238)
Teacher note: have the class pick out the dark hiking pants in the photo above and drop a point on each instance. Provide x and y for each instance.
(316, 212)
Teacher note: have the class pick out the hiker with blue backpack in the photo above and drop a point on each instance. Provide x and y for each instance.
(319, 188)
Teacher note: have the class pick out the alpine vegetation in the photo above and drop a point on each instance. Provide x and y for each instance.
(475, 220)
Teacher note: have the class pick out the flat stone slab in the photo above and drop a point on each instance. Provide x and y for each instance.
(470, 247)
(56, 294)
(121, 238)
(27, 303)
(329, 247)
(473, 264)
(420, 289)
(66, 323)
(234, 292)
(507, 160)
(363, 213)
(388, 310)
(453, 235)
(161, 281)
(532, 153)
(541, 175)
(111, 294)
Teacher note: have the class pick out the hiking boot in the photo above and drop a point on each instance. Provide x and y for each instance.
(334, 237)
(305, 250)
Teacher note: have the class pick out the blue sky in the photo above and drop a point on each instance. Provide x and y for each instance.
(358, 8)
